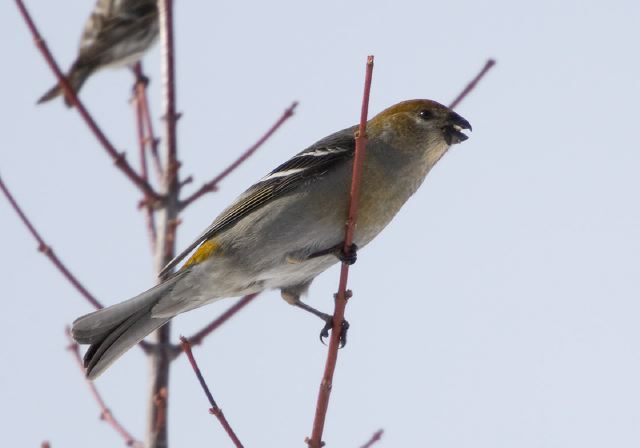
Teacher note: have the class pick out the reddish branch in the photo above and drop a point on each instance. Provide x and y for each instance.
(215, 409)
(105, 413)
(213, 184)
(167, 220)
(374, 438)
(472, 84)
(343, 295)
(117, 157)
(197, 338)
(48, 251)
(152, 139)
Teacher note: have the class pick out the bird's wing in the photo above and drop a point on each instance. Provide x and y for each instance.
(103, 11)
(305, 167)
(112, 24)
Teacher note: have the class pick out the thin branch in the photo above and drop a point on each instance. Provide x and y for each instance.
(343, 295)
(472, 84)
(48, 251)
(374, 439)
(198, 337)
(105, 413)
(213, 184)
(140, 99)
(165, 12)
(117, 157)
(150, 137)
(140, 96)
(215, 409)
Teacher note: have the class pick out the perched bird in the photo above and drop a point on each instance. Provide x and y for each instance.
(288, 227)
(117, 33)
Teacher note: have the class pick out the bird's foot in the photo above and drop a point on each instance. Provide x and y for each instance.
(344, 327)
(349, 256)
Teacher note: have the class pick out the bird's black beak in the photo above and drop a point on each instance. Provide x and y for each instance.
(454, 127)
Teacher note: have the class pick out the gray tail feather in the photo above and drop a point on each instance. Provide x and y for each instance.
(105, 352)
(114, 330)
(76, 78)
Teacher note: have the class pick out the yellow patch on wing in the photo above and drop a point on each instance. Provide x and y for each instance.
(202, 253)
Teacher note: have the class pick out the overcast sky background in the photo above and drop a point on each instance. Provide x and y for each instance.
(500, 308)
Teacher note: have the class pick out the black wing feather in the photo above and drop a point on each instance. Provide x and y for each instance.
(312, 163)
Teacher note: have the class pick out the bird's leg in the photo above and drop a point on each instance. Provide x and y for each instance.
(327, 318)
(328, 322)
(338, 251)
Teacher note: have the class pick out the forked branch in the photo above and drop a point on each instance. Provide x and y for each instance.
(315, 441)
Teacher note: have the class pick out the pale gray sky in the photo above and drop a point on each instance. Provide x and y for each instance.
(500, 309)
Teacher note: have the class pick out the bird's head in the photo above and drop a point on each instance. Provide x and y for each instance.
(418, 125)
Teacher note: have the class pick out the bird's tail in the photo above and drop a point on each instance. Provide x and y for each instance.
(76, 78)
(114, 330)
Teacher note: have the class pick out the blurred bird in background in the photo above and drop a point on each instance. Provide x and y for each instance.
(117, 33)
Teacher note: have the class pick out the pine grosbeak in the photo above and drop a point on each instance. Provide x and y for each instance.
(288, 227)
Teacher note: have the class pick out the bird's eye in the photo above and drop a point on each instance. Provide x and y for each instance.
(426, 114)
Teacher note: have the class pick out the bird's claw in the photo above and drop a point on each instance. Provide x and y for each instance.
(343, 331)
(143, 80)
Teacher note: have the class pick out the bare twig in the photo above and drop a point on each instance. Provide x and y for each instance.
(105, 413)
(140, 100)
(48, 251)
(198, 337)
(212, 184)
(472, 84)
(117, 157)
(215, 409)
(150, 137)
(315, 441)
(374, 438)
